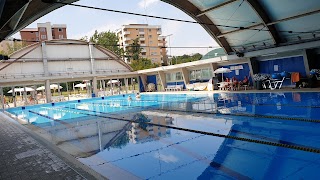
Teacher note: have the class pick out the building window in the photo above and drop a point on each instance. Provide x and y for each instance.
(141, 30)
(150, 36)
(142, 42)
(43, 36)
(149, 30)
(150, 42)
(60, 29)
(43, 29)
(143, 53)
(60, 36)
(153, 53)
(37, 39)
(141, 35)
(173, 77)
(37, 34)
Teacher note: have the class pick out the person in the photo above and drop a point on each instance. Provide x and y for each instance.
(245, 81)
(227, 80)
(138, 96)
(235, 82)
(129, 98)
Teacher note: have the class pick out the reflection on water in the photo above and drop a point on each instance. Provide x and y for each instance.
(149, 148)
(141, 132)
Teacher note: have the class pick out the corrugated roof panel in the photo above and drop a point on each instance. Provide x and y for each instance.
(279, 9)
(205, 4)
(233, 15)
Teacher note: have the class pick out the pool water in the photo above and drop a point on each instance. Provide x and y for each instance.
(211, 136)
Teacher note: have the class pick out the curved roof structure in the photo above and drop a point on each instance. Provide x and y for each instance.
(238, 26)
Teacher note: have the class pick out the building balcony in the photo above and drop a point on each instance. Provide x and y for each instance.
(159, 32)
(160, 44)
(143, 45)
(142, 32)
(127, 39)
(143, 50)
(160, 38)
(126, 32)
(142, 39)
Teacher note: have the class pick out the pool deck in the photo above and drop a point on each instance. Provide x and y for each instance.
(25, 155)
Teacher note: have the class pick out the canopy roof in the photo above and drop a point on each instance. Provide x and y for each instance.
(237, 25)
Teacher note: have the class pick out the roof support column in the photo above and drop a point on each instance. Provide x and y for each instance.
(213, 66)
(162, 77)
(94, 86)
(185, 75)
(143, 78)
(48, 91)
(306, 61)
(45, 59)
(93, 71)
(14, 97)
(2, 98)
(126, 84)
(253, 67)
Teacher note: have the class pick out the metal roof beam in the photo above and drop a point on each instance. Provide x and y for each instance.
(2, 3)
(265, 19)
(216, 7)
(271, 23)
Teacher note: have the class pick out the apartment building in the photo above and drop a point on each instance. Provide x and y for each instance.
(151, 42)
(44, 31)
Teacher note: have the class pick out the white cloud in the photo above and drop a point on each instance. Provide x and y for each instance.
(166, 158)
(147, 3)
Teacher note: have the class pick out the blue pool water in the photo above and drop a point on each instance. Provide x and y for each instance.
(212, 136)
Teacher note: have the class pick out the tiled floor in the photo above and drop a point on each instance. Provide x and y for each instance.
(22, 157)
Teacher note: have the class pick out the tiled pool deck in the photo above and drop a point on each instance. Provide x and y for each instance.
(24, 155)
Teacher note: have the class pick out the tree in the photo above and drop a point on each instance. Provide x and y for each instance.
(142, 63)
(133, 51)
(107, 39)
(186, 58)
(12, 47)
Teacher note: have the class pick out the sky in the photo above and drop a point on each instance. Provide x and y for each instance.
(83, 22)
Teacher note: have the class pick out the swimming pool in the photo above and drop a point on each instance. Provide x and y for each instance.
(220, 136)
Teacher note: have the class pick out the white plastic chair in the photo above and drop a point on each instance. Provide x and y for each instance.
(276, 84)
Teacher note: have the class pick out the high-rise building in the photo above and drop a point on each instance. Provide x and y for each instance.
(152, 44)
(44, 31)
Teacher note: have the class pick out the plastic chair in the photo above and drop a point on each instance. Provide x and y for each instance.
(276, 84)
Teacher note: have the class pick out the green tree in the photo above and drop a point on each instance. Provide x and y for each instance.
(142, 63)
(107, 39)
(186, 58)
(12, 47)
(133, 51)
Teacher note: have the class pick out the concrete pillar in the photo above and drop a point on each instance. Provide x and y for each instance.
(93, 71)
(67, 90)
(48, 91)
(185, 75)
(111, 86)
(143, 78)
(306, 62)
(2, 98)
(25, 95)
(44, 59)
(213, 67)
(254, 67)
(95, 85)
(14, 97)
(162, 77)
(59, 89)
(126, 84)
